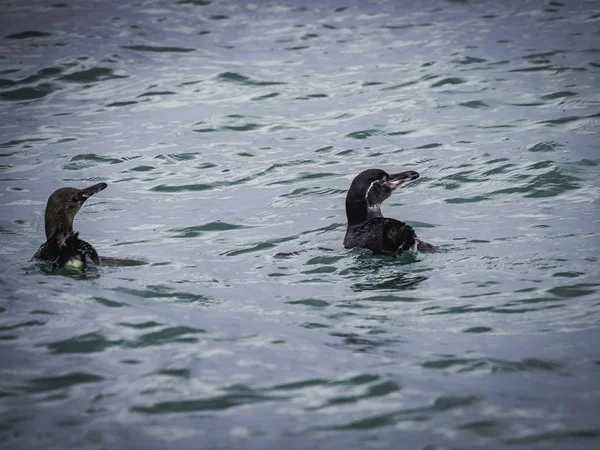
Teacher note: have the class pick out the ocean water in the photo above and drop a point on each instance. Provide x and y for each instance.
(228, 314)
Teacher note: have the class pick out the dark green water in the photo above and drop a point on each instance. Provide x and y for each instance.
(228, 133)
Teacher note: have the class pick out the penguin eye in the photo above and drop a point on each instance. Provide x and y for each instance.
(384, 186)
(76, 199)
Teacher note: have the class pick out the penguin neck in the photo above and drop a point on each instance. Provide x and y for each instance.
(358, 212)
(57, 223)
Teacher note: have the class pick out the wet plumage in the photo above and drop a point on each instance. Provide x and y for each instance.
(63, 246)
(367, 228)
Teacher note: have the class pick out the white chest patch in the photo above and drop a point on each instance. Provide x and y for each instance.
(75, 263)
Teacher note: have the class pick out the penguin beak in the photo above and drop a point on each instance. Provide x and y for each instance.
(89, 191)
(399, 179)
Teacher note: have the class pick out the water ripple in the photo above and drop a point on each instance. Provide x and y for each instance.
(238, 395)
(229, 133)
(158, 49)
(48, 384)
(233, 77)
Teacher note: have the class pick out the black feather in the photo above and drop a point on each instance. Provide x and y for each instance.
(63, 245)
(367, 228)
(64, 248)
(382, 235)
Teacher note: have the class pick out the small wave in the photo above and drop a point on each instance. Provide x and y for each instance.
(448, 81)
(168, 335)
(89, 160)
(236, 397)
(156, 94)
(28, 35)
(28, 93)
(85, 343)
(475, 104)
(592, 118)
(169, 188)
(164, 292)
(92, 75)
(544, 147)
(195, 2)
(194, 231)
(158, 49)
(312, 302)
(363, 134)
(558, 94)
(462, 365)
(553, 437)
(71, 379)
(266, 96)
(272, 243)
(233, 77)
(420, 414)
(120, 104)
(469, 60)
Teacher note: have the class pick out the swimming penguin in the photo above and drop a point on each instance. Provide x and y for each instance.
(367, 228)
(63, 246)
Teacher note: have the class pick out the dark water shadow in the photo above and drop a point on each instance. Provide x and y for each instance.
(121, 262)
(361, 344)
(398, 281)
(382, 272)
(229, 397)
(441, 404)
(89, 272)
(45, 268)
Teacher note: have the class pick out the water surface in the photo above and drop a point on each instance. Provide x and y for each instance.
(228, 134)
